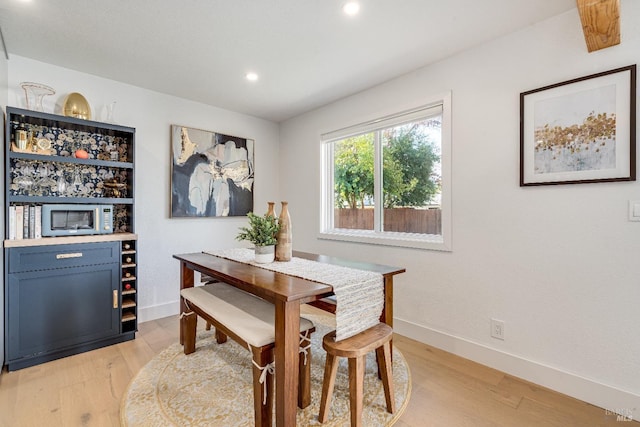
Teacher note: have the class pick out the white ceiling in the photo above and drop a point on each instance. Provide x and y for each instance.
(306, 52)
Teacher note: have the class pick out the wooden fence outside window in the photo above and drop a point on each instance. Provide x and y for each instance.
(407, 220)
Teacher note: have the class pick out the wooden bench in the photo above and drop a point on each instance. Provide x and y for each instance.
(249, 321)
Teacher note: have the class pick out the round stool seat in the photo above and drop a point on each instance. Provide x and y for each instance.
(359, 344)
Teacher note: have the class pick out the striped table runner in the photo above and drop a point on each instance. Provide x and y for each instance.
(359, 293)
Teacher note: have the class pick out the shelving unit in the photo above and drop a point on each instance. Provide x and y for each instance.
(43, 166)
(56, 176)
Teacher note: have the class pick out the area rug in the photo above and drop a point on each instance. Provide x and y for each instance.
(213, 387)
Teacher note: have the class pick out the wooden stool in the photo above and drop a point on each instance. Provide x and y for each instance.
(355, 348)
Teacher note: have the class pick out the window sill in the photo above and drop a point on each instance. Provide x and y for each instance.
(406, 240)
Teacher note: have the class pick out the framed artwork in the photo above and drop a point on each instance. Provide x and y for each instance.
(580, 131)
(211, 173)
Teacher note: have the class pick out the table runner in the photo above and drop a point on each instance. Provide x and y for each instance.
(359, 293)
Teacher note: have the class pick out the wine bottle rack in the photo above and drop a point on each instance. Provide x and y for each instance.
(129, 285)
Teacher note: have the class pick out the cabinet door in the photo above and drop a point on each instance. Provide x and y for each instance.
(55, 309)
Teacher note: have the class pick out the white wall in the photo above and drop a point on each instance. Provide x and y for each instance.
(559, 264)
(152, 114)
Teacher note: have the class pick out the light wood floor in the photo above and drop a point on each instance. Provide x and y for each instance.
(85, 390)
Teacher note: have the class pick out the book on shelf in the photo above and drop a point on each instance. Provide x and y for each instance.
(32, 221)
(12, 222)
(19, 222)
(25, 222)
(38, 224)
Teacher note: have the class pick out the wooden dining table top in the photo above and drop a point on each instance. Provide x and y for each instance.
(272, 285)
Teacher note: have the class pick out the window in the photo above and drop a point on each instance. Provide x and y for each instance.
(388, 181)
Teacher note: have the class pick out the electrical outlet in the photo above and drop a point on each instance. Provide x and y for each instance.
(497, 329)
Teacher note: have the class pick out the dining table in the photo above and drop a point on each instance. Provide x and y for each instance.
(287, 293)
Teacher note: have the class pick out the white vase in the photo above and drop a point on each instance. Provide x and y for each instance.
(265, 254)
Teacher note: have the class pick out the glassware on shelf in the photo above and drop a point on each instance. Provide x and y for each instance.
(24, 182)
(46, 182)
(22, 137)
(110, 112)
(62, 185)
(77, 179)
(24, 173)
(34, 92)
(79, 186)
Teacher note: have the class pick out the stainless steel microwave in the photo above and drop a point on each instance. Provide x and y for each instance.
(76, 220)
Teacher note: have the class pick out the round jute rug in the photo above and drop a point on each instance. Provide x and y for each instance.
(213, 387)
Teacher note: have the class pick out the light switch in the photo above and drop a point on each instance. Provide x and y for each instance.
(634, 210)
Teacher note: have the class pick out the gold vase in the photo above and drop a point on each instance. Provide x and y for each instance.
(76, 105)
(284, 247)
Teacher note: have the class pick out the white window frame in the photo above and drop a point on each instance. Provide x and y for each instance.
(441, 242)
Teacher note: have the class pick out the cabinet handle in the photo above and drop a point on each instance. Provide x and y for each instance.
(115, 298)
(72, 255)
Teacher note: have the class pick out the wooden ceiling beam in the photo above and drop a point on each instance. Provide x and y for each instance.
(600, 23)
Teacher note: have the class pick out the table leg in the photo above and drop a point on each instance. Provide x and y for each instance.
(186, 281)
(287, 329)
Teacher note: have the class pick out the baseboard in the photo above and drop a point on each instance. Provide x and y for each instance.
(622, 402)
(159, 311)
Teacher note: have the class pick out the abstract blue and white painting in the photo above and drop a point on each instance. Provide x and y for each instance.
(212, 173)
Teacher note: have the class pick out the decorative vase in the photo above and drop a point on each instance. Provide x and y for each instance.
(264, 254)
(34, 92)
(284, 246)
(109, 108)
(271, 211)
(76, 105)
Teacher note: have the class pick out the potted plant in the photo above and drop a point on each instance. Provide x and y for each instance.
(262, 232)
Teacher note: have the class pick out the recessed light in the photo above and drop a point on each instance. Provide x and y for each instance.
(351, 8)
(251, 76)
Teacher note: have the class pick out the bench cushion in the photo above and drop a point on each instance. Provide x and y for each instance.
(247, 315)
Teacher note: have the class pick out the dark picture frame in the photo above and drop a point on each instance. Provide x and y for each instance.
(580, 131)
(212, 174)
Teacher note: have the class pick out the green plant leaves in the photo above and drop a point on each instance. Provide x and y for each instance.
(262, 230)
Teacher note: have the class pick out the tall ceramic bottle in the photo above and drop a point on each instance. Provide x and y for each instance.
(271, 211)
(284, 246)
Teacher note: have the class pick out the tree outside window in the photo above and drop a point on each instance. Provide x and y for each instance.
(388, 181)
(410, 175)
